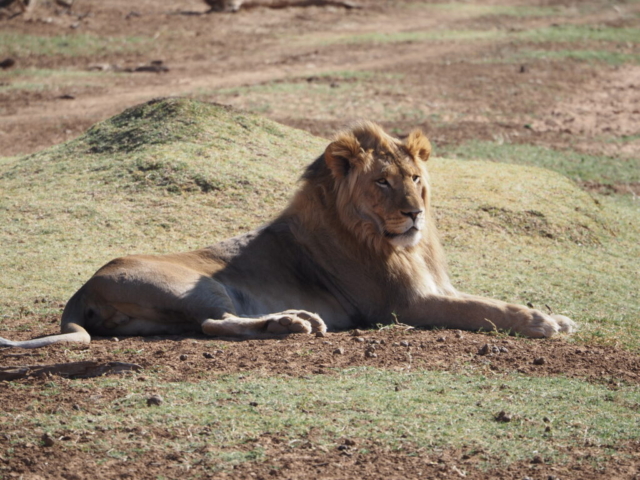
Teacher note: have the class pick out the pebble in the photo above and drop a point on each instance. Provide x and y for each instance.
(370, 354)
(503, 417)
(358, 339)
(441, 339)
(486, 349)
(539, 361)
(154, 400)
(208, 355)
(47, 440)
(404, 343)
(537, 459)
(338, 351)
(504, 350)
(183, 357)
(320, 334)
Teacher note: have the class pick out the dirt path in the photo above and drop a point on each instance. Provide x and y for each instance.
(447, 79)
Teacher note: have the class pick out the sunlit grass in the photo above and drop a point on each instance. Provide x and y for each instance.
(71, 45)
(398, 410)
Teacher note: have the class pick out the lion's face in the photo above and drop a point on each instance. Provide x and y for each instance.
(381, 185)
(392, 196)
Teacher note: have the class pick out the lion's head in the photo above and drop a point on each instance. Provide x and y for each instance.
(380, 184)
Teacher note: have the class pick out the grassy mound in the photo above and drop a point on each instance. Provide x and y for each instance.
(176, 174)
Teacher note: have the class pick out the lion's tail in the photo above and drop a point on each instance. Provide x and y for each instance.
(71, 328)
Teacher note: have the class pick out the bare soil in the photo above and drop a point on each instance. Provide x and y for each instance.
(175, 359)
(563, 104)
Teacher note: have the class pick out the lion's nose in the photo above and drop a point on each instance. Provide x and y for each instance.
(413, 214)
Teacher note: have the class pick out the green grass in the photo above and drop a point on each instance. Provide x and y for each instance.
(464, 9)
(76, 45)
(417, 36)
(180, 174)
(436, 410)
(45, 79)
(578, 166)
(560, 34)
(591, 56)
(581, 33)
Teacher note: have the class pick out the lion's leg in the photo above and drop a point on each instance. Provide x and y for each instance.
(289, 321)
(476, 313)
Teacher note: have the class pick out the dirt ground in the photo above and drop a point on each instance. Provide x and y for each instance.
(573, 105)
(183, 358)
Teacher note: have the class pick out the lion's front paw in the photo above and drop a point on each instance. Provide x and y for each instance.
(540, 325)
(295, 321)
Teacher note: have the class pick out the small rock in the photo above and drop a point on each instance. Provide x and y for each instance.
(114, 339)
(253, 404)
(458, 334)
(358, 339)
(404, 343)
(208, 355)
(485, 349)
(539, 361)
(356, 333)
(338, 351)
(154, 400)
(348, 442)
(370, 354)
(537, 459)
(47, 440)
(547, 429)
(320, 334)
(503, 417)
(441, 339)
(7, 63)
(546, 419)
(503, 350)
(183, 357)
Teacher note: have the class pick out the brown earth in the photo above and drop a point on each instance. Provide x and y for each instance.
(457, 97)
(177, 359)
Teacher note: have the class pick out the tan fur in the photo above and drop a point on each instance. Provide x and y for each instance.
(356, 246)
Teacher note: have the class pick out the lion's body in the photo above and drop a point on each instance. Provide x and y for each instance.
(357, 246)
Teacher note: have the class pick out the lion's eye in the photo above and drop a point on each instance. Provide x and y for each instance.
(416, 179)
(382, 182)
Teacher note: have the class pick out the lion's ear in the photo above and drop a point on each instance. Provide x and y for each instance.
(418, 145)
(343, 154)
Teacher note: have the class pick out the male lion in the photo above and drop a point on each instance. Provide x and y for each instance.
(356, 246)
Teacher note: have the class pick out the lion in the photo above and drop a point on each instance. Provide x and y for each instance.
(357, 246)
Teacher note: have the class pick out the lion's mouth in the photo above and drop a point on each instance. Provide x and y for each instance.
(411, 231)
